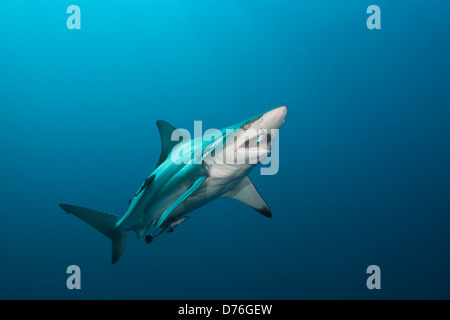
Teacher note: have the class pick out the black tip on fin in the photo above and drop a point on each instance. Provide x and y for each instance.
(65, 207)
(267, 213)
(148, 239)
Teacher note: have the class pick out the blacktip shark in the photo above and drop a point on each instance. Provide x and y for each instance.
(176, 188)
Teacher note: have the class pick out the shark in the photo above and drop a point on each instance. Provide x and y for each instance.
(188, 175)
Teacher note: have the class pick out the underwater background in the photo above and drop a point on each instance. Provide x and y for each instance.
(364, 174)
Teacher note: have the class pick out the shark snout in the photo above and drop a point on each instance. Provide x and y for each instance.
(275, 118)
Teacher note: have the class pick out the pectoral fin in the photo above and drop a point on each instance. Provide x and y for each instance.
(179, 201)
(246, 193)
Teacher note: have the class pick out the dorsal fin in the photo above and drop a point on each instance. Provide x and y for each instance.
(166, 130)
(246, 193)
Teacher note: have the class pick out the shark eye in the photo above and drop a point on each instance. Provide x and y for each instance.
(246, 126)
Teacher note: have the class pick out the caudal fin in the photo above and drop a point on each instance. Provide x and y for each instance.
(104, 222)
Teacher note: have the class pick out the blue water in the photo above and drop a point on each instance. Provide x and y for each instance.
(364, 166)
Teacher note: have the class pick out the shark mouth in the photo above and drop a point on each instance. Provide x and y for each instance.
(255, 147)
(261, 141)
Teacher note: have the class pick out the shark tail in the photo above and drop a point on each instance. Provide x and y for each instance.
(104, 222)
